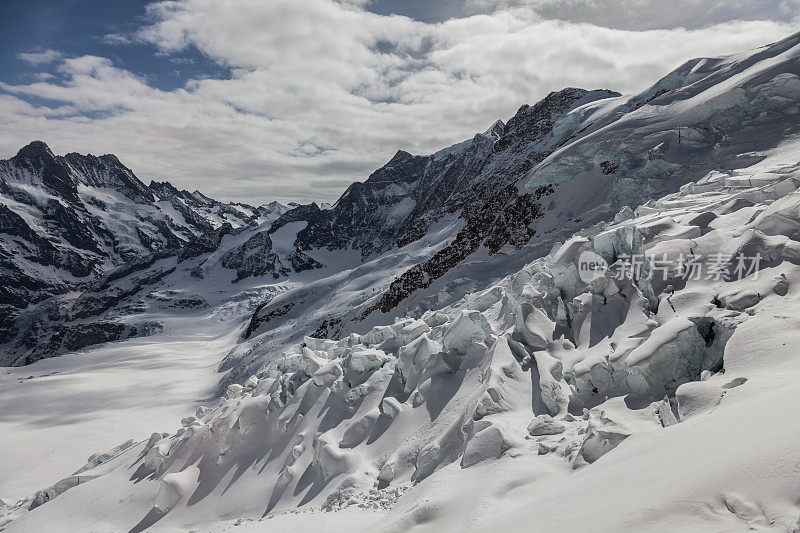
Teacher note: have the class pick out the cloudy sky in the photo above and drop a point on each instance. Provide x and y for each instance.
(255, 100)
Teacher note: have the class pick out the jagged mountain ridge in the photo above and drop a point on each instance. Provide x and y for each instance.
(400, 201)
(66, 221)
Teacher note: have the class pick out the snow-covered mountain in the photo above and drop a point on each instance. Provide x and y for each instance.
(400, 202)
(134, 226)
(710, 114)
(76, 225)
(430, 352)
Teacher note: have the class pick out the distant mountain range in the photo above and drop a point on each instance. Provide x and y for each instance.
(66, 222)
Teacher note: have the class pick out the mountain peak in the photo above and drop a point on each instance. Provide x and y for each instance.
(36, 150)
(163, 189)
(40, 160)
(400, 156)
(112, 158)
(496, 130)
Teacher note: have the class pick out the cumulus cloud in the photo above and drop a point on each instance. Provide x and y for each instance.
(321, 92)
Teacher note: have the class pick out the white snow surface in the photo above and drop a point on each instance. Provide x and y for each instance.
(61, 410)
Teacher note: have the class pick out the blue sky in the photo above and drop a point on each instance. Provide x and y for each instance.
(293, 100)
(80, 27)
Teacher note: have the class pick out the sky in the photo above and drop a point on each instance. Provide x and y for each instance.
(293, 100)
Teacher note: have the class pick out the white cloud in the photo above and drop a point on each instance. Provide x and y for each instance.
(117, 39)
(322, 92)
(648, 14)
(40, 58)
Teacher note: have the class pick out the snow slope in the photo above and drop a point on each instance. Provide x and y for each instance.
(96, 400)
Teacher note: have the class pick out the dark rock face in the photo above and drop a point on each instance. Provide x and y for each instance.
(505, 219)
(68, 224)
(205, 243)
(22, 254)
(108, 171)
(58, 325)
(255, 258)
(264, 315)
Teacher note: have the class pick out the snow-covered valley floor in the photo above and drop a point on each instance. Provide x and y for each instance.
(59, 411)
